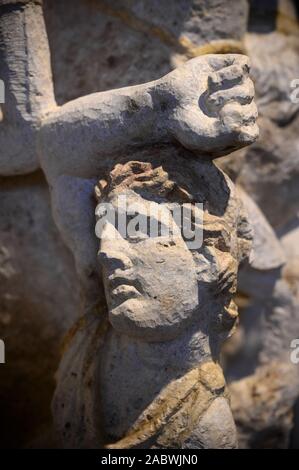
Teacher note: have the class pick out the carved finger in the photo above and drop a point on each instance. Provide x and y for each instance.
(228, 77)
(242, 94)
(234, 115)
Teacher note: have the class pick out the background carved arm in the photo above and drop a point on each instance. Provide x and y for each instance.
(26, 72)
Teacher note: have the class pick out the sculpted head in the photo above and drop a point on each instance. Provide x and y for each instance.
(156, 282)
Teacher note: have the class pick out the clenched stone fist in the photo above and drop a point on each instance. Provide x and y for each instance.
(208, 104)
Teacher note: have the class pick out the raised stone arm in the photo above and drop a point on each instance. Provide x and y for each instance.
(206, 105)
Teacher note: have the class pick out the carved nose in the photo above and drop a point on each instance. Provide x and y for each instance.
(114, 260)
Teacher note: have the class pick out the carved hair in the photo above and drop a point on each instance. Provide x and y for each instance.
(142, 177)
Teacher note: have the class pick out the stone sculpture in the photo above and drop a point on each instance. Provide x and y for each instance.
(205, 106)
(150, 358)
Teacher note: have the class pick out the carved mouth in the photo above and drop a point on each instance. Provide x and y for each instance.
(122, 289)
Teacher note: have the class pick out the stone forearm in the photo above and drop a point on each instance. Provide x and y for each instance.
(26, 73)
(206, 108)
(88, 132)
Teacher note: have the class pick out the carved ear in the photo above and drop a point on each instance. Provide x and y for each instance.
(266, 252)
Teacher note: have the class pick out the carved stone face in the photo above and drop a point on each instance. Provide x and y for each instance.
(150, 282)
(156, 287)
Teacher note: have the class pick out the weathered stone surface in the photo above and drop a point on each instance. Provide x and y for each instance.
(267, 252)
(269, 325)
(262, 405)
(270, 171)
(278, 52)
